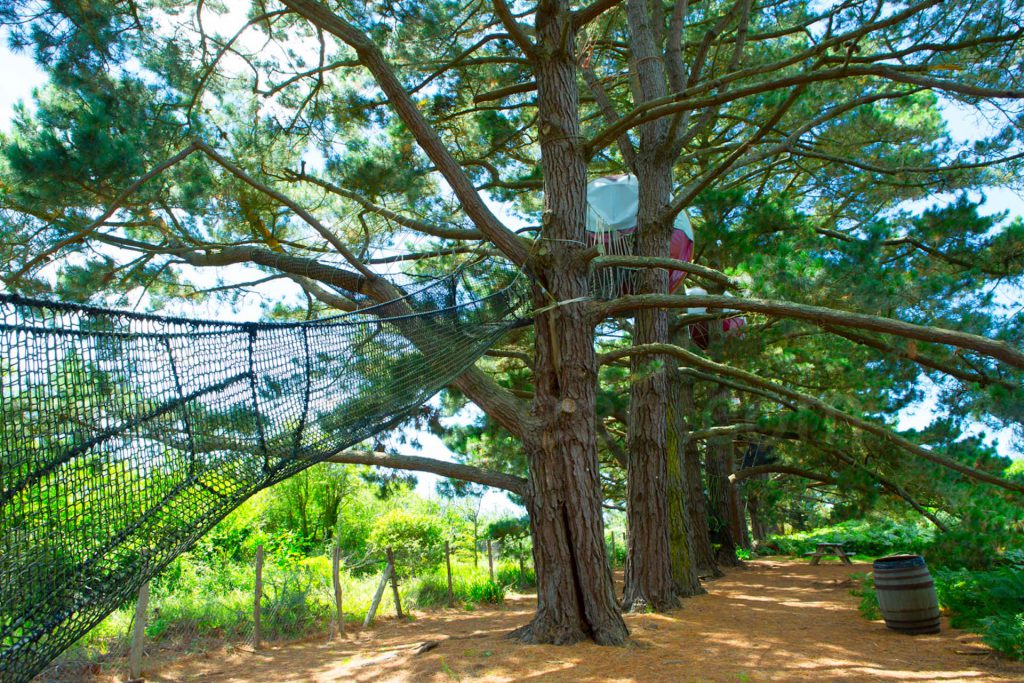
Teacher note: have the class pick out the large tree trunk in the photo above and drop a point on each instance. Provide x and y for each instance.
(649, 578)
(680, 528)
(696, 501)
(718, 463)
(575, 596)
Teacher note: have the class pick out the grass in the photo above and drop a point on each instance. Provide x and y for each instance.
(195, 606)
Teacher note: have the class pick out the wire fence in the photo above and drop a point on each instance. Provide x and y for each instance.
(189, 615)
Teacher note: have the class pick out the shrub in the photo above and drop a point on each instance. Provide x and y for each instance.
(417, 539)
(971, 597)
(1005, 633)
(865, 537)
(868, 605)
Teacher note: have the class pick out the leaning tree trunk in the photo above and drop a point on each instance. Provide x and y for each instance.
(575, 596)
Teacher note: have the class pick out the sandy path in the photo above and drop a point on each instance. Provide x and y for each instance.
(773, 621)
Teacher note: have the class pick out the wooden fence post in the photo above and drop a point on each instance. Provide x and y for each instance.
(613, 550)
(257, 598)
(336, 580)
(448, 563)
(378, 595)
(138, 633)
(490, 559)
(394, 582)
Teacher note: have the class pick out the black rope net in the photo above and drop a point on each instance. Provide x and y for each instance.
(125, 437)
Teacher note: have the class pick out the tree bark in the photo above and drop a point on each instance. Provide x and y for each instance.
(823, 316)
(719, 463)
(696, 502)
(649, 579)
(680, 527)
(758, 527)
(575, 597)
(442, 468)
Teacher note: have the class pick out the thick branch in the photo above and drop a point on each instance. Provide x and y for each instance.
(516, 31)
(883, 432)
(716, 276)
(748, 472)
(371, 56)
(452, 470)
(825, 316)
(924, 361)
(585, 15)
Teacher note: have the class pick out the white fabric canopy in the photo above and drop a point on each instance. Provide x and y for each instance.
(612, 204)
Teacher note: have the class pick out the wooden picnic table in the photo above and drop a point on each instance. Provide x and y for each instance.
(829, 550)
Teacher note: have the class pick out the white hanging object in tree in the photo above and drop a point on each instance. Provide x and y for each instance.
(612, 204)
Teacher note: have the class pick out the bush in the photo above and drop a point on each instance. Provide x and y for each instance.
(417, 540)
(973, 596)
(868, 605)
(1005, 633)
(864, 537)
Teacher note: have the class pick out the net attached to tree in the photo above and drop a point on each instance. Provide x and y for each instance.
(125, 437)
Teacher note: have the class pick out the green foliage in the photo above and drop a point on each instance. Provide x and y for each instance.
(1005, 633)
(990, 602)
(618, 557)
(980, 584)
(469, 587)
(868, 603)
(973, 596)
(991, 527)
(417, 540)
(874, 537)
(507, 574)
(509, 529)
(488, 591)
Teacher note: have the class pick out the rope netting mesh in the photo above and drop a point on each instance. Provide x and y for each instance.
(124, 437)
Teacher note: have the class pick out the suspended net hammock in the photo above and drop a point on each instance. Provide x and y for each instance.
(125, 437)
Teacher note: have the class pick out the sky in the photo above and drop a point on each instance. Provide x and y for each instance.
(20, 76)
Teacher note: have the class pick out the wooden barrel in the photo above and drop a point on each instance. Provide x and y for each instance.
(906, 594)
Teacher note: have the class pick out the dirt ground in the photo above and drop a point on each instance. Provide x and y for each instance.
(774, 620)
